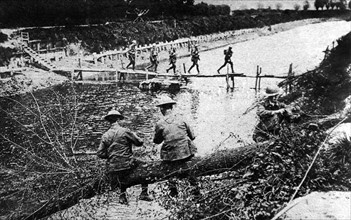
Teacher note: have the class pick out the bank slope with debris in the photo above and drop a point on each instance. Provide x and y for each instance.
(271, 178)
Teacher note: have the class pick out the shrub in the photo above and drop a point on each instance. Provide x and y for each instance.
(297, 7)
(5, 55)
(3, 37)
(306, 5)
(278, 6)
(320, 4)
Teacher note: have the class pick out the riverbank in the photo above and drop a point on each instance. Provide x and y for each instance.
(91, 103)
(33, 78)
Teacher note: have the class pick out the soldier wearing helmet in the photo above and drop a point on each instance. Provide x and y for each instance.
(176, 136)
(172, 60)
(195, 57)
(272, 113)
(132, 54)
(227, 59)
(153, 58)
(116, 146)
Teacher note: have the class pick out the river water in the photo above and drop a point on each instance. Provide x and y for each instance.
(215, 113)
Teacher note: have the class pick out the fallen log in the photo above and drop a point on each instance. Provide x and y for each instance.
(151, 172)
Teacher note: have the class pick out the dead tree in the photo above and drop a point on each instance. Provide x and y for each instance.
(151, 172)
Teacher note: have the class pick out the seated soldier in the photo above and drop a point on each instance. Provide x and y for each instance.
(116, 147)
(271, 114)
(177, 148)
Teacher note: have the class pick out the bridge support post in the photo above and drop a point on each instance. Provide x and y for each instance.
(72, 75)
(259, 79)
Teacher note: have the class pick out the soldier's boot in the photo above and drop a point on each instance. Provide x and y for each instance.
(144, 194)
(123, 199)
(172, 185)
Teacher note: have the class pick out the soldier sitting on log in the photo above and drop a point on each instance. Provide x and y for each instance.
(116, 147)
(177, 148)
(272, 114)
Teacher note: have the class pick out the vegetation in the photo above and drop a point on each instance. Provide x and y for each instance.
(3, 37)
(67, 12)
(118, 34)
(5, 55)
(306, 5)
(270, 179)
(330, 4)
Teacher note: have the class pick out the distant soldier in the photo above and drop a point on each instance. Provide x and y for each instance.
(227, 59)
(172, 60)
(153, 58)
(195, 57)
(132, 54)
(271, 114)
(116, 147)
(176, 136)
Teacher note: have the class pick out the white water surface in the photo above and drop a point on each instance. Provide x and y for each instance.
(216, 113)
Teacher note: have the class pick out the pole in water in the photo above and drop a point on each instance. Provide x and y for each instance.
(257, 73)
(259, 79)
(184, 68)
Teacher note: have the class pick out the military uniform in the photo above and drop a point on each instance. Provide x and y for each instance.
(269, 120)
(195, 57)
(132, 55)
(227, 59)
(177, 147)
(177, 137)
(116, 146)
(153, 59)
(172, 60)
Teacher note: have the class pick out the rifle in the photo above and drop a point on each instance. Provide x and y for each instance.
(81, 154)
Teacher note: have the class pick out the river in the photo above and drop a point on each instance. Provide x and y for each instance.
(215, 113)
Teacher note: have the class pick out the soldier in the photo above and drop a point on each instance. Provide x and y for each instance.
(132, 54)
(116, 147)
(227, 59)
(172, 60)
(153, 58)
(271, 114)
(177, 147)
(195, 57)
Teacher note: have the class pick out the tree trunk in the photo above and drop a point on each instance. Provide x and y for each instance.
(150, 172)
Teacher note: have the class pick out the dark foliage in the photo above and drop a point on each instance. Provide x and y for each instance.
(118, 34)
(270, 179)
(66, 12)
(5, 55)
(3, 37)
(328, 85)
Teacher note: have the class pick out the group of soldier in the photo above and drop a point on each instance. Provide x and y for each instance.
(175, 134)
(195, 58)
(116, 146)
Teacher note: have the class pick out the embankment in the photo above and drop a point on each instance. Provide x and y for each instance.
(115, 35)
